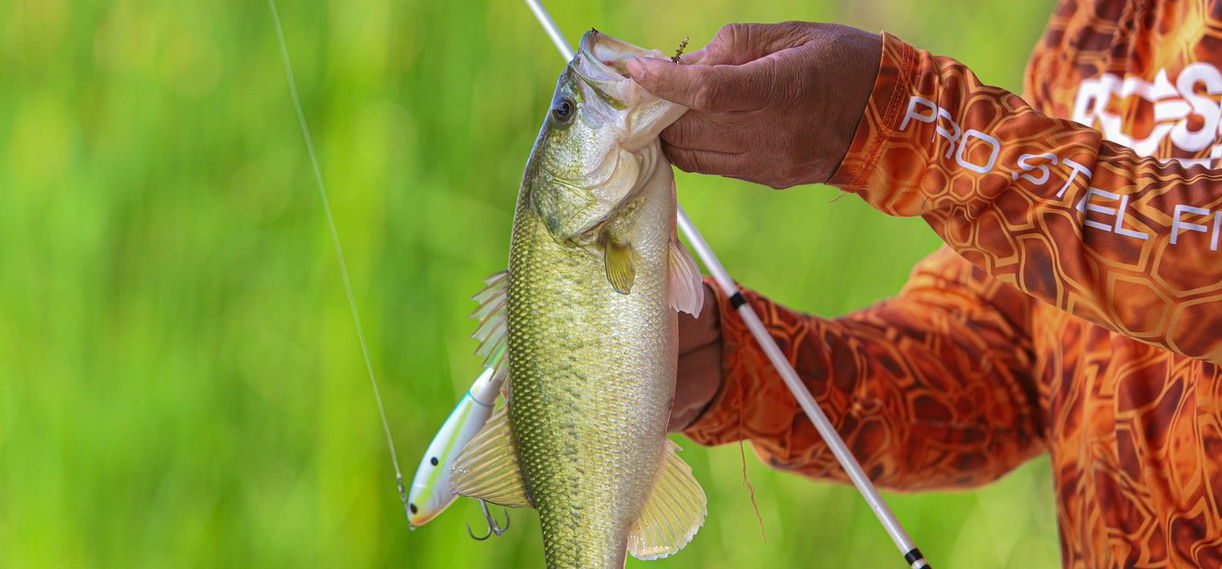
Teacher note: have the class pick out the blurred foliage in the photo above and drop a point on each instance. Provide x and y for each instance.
(180, 381)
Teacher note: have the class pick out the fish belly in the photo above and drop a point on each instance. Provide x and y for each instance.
(592, 382)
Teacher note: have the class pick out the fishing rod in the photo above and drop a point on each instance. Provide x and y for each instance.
(844, 456)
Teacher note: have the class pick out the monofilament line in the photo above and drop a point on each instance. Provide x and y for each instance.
(339, 249)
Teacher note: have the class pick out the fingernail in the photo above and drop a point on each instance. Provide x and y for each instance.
(636, 69)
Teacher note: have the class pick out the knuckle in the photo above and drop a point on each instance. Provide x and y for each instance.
(641, 73)
(678, 158)
(775, 84)
(688, 161)
(706, 93)
(679, 132)
(793, 26)
(696, 163)
(734, 37)
(730, 32)
(794, 33)
(701, 98)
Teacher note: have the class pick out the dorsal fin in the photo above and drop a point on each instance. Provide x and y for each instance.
(493, 323)
(674, 512)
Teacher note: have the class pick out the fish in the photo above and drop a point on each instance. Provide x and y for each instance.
(586, 314)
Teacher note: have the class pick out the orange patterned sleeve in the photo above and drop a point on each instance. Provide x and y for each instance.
(1046, 205)
(931, 389)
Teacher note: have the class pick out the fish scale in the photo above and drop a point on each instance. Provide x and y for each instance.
(592, 381)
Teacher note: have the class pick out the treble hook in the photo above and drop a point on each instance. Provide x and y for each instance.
(493, 526)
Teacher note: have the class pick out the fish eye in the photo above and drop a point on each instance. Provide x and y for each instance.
(563, 111)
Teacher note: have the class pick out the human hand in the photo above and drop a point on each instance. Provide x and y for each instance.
(699, 374)
(775, 104)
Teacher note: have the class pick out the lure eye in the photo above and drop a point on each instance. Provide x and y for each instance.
(563, 111)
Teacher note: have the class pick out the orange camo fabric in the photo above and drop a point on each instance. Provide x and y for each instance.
(1076, 308)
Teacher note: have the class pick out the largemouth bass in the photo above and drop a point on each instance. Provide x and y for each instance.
(587, 311)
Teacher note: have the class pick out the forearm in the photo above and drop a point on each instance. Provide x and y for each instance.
(1044, 204)
(926, 394)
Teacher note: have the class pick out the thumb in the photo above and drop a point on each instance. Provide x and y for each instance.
(697, 87)
(660, 77)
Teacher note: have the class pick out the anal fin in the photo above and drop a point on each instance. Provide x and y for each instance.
(673, 513)
(488, 467)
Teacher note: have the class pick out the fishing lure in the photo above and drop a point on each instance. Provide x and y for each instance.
(430, 492)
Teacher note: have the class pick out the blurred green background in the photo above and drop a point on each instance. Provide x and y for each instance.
(180, 381)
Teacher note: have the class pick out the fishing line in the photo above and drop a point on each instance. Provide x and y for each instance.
(755, 505)
(912, 555)
(339, 250)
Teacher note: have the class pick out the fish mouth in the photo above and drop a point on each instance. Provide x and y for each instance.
(611, 54)
(603, 60)
(601, 64)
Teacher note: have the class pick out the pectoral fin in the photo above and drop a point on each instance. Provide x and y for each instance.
(488, 467)
(620, 260)
(686, 286)
(672, 515)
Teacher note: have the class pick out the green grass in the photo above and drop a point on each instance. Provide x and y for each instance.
(180, 382)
